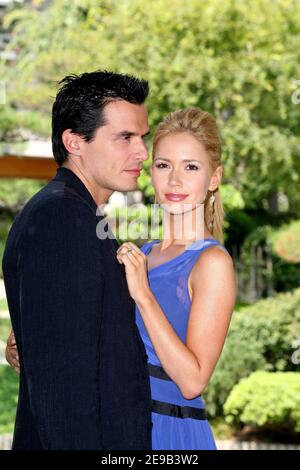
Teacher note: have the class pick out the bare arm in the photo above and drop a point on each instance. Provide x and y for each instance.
(189, 364)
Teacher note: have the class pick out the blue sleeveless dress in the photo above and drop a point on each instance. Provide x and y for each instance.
(178, 423)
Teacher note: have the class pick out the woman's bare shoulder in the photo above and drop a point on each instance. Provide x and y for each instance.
(213, 261)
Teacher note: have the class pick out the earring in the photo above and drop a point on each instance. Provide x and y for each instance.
(212, 200)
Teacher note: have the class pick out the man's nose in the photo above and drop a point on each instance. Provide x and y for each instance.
(141, 151)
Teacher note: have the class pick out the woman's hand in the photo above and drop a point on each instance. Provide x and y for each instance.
(135, 262)
(11, 352)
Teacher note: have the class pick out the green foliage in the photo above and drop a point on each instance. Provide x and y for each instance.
(237, 62)
(261, 234)
(14, 121)
(260, 338)
(5, 324)
(221, 429)
(232, 198)
(14, 193)
(9, 123)
(9, 381)
(286, 275)
(240, 225)
(266, 399)
(5, 223)
(138, 223)
(8, 398)
(286, 242)
(3, 306)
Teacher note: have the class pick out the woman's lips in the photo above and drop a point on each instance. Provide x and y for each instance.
(176, 197)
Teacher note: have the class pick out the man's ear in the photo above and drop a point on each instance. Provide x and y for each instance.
(71, 142)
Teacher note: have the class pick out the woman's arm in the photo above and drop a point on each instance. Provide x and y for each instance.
(213, 284)
(11, 352)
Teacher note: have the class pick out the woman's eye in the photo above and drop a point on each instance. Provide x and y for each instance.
(161, 165)
(192, 167)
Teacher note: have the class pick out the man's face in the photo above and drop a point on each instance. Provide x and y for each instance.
(114, 159)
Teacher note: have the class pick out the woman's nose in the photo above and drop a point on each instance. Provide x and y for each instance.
(175, 178)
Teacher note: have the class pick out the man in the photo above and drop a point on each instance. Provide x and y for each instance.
(83, 368)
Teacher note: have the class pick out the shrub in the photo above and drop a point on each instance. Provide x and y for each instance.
(8, 398)
(260, 338)
(286, 242)
(286, 270)
(266, 399)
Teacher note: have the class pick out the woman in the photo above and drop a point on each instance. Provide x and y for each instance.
(183, 286)
(184, 301)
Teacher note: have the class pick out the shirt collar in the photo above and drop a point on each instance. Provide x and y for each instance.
(69, 177)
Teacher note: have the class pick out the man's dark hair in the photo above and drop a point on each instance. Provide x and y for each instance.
(81, 100)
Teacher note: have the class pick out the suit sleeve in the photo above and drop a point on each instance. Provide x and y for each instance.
(61, 288)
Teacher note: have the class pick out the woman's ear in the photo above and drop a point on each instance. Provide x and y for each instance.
(216, 178)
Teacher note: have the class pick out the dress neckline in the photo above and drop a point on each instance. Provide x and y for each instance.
(189, 248)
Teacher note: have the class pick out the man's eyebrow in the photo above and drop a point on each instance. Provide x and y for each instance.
(124, 134)
(147, 133)
(130, 134)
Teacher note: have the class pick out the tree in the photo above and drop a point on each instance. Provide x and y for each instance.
(237, 62)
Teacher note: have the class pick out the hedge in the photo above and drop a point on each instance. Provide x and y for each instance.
(260, 338)
(266, 399)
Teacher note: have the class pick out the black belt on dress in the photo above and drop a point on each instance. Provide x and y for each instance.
(170, 409)
(176, 411)
(158, 372)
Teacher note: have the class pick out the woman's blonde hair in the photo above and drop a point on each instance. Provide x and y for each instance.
(201, 125)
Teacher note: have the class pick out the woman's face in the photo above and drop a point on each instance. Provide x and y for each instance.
(181, 173)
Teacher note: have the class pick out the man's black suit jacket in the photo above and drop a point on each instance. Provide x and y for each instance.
(84, 382)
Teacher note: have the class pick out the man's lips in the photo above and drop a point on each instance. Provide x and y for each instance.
(134, 172)
(176, 197)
